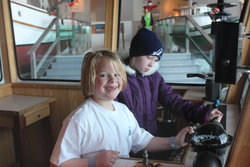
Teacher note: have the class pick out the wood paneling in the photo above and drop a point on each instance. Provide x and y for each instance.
(7, 151)
(5, 90)
(68, 97)
(111, 25)
(235, 90)
(3, 47)
(239, 153)
(245, 46)
(9, 58)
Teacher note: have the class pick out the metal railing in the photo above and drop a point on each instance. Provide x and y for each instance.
(168, 29)
(32, 52)
(70, 29)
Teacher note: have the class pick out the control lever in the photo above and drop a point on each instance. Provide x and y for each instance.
(189, 136)
(146, 162)
(199, 75)
(216, 103)
(196, 75)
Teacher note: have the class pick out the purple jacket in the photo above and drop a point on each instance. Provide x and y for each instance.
(143, 94)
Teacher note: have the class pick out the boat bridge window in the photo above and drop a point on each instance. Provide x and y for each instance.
(183, 53)
(52, 38)
(187, 40)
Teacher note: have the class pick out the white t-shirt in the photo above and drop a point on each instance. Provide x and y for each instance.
(91, 129)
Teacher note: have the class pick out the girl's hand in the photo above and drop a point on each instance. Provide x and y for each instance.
(215, 114)
(107, 158)
(181, 136)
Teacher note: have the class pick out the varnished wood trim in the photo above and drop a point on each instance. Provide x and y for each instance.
(239, 153)
(7, 121)
(115, 25)
(49, 85)
(9, 41)
(246, 18)
(37, 114)
(245, 46)
(111, 24)
(3, 46)
(7, 147)
(108, 24)
(6, 90)
(235, 91)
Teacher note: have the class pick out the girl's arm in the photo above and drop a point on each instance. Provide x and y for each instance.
(104, 158)
(163, 143)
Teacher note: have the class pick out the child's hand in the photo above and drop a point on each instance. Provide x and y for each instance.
(215, 114)
(107, 158)
(181, 136)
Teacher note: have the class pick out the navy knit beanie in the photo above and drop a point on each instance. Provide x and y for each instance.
(145, 42)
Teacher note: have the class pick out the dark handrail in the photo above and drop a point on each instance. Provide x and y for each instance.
(40, 39)
(203, 33)
(197, 27)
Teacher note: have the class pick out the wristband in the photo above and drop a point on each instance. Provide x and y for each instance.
(173, 144)
(91, 161)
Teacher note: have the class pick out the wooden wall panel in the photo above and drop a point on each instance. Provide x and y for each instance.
(240, 151)
(5, 90)
(3, 47)
(7, 151)
(8, 57)
(245, 46)
(233, 92)
(68, 97)
(111, 24)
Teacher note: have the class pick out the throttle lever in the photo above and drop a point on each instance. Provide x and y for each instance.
(195, 75)
(188, 138)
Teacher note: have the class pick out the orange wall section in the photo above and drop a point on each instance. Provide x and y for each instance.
(171, 7)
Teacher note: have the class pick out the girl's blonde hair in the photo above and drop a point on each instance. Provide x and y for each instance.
(88, 71)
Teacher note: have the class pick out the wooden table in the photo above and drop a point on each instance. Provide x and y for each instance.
(133, 162)
(19, 112)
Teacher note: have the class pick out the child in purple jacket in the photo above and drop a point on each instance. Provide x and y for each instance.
(146, 87)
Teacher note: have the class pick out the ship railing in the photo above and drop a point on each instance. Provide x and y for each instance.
(60, 32)
(32, 52)
(194, 10)
(185, 29)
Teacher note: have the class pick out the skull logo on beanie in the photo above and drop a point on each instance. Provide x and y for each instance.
(145, 42)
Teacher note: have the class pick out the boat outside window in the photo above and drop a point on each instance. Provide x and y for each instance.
(51, 39)
(181, 54)
(188, 43)
(188, 51)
